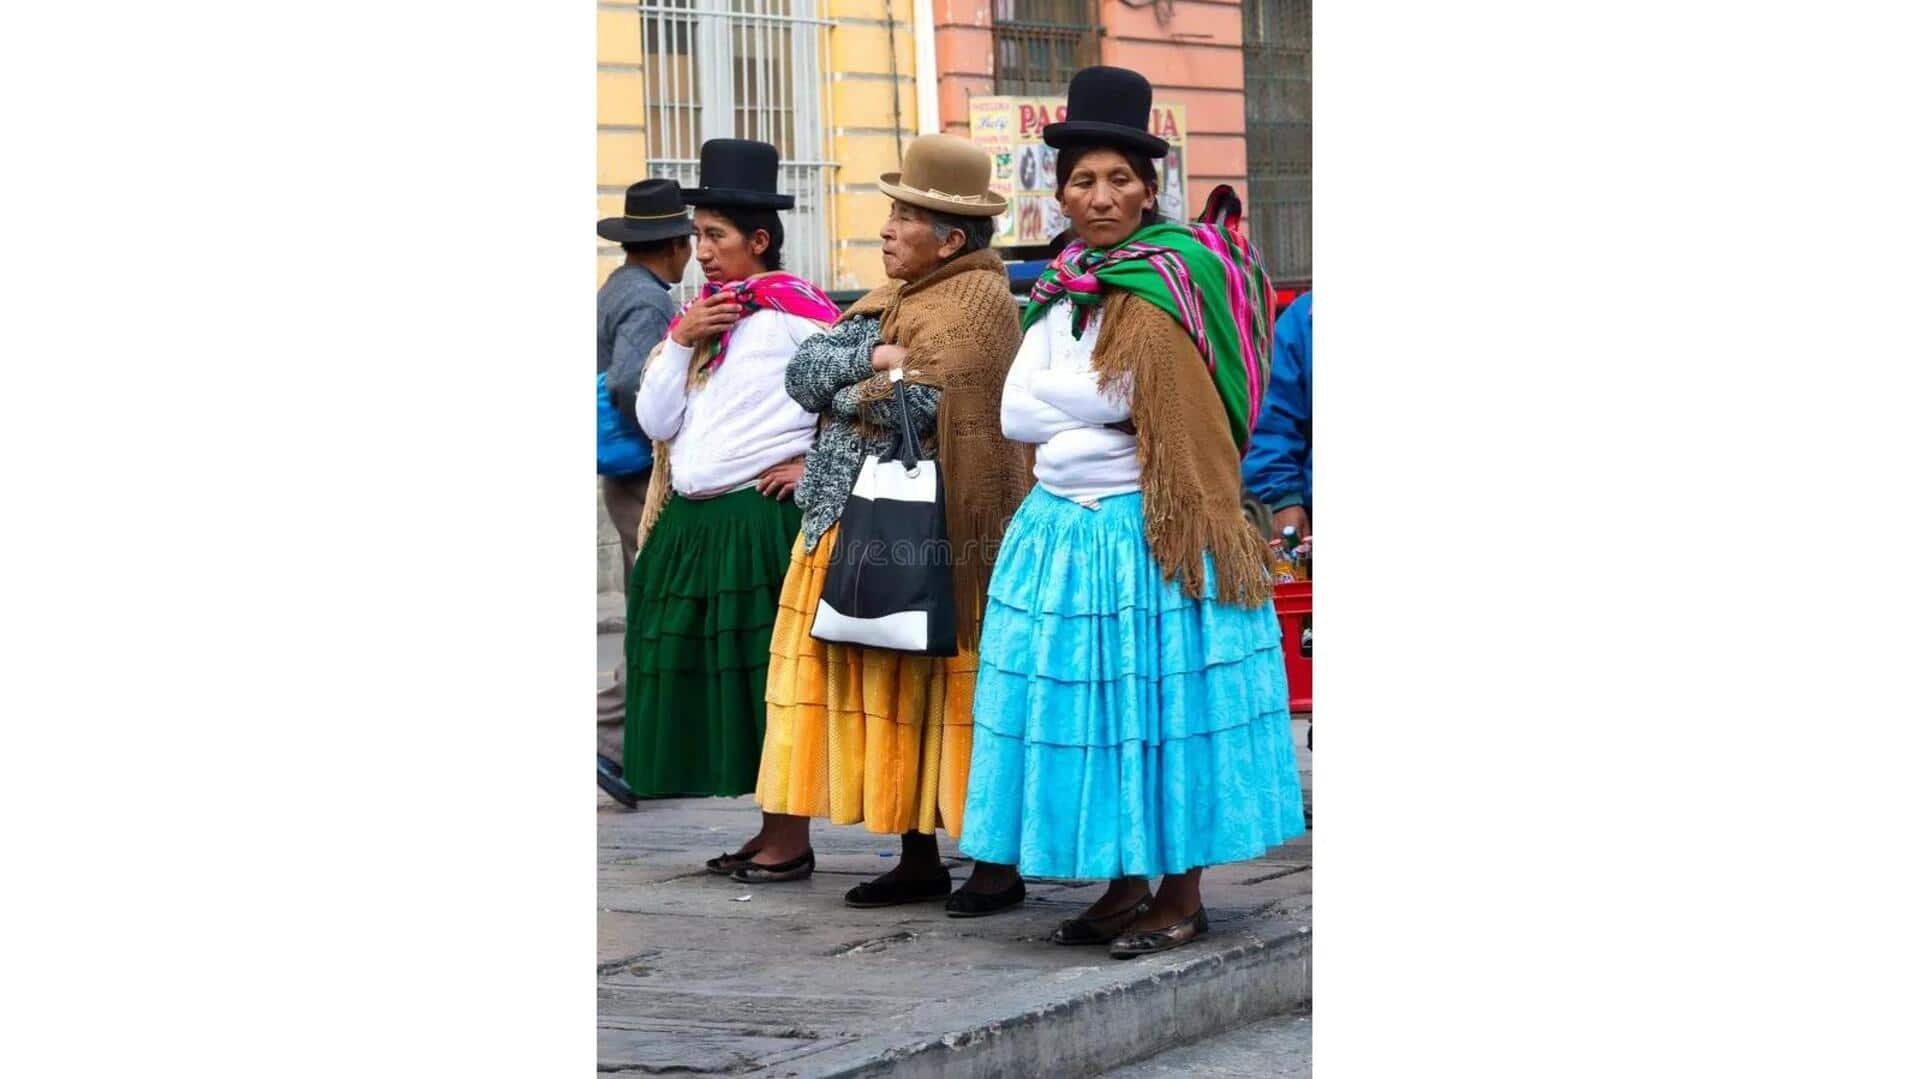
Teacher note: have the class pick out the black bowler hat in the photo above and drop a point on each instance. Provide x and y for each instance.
(1107, 106)
(654, 212)
(738, 172)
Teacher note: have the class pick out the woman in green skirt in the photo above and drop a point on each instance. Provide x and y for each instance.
(719, 525)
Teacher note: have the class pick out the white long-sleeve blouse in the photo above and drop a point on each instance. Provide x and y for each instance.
(1052, 399)
(741, 422)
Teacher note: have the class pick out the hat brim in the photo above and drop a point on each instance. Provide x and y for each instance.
(735, 196)
(622, 231)
(1099, 133)
(993, 203)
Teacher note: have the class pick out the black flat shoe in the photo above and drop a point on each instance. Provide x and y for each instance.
(892, 893)
(610, 766)
(727, 863)
(965, 904)
(1085, 930)
(616, 787)
(1184, 931)
(794, 869)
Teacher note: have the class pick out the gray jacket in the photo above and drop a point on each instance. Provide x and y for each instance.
(823, 376)
(634, 309)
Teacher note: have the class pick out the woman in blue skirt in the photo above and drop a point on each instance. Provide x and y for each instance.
(1130, 713)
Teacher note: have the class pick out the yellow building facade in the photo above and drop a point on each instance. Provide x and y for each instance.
(832, 83)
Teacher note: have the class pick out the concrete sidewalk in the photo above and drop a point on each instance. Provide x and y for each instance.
(612, 612)
(700, 975)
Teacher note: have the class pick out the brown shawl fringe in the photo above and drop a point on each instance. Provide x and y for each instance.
(1190, 467)
(660, 482)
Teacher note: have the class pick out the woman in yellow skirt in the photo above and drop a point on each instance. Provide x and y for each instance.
(872, 735)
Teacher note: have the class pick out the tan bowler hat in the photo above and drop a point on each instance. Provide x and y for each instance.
(945, 173)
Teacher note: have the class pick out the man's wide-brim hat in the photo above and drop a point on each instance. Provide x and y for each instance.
(655, 211)
(948, 174)
(1107, 106)
(740, 173)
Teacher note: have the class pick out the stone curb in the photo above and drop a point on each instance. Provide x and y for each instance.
(1137, 1011)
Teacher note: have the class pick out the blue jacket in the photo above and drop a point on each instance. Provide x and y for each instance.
(1278, 468)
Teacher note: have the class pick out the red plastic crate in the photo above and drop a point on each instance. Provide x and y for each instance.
(1293, 604)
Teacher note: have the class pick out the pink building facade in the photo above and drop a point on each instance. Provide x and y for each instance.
(1190, 50)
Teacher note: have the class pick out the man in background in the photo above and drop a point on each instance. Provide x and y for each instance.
(634, 307)
(1278, 468)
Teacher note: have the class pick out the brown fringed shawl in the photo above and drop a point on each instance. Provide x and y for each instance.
(1189, 463)
(961, 327)
(660, 481)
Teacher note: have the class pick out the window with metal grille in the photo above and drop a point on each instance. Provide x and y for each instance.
(1278, 45)
(1039, 44)
(745, 69)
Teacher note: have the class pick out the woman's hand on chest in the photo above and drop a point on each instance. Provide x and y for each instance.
(888, 357)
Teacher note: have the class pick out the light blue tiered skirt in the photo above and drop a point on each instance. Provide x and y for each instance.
(1121, 728)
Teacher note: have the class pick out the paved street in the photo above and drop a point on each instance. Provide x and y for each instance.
(698, 974)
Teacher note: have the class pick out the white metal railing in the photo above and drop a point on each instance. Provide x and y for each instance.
(749, 69)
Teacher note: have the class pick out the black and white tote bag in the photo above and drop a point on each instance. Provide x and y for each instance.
(890, 581)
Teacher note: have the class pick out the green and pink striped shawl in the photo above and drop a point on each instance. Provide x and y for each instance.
(1211, 282)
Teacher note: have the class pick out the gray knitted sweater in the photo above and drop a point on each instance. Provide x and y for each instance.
(823, 376)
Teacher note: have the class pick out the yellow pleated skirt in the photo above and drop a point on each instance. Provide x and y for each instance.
(861, 734)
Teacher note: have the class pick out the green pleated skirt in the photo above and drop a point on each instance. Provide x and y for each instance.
(700, 611)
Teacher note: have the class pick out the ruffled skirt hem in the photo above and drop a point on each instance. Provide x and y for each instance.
(1121, 727)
